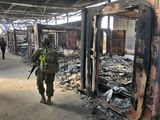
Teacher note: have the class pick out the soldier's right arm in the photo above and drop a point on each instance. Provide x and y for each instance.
(36, 55)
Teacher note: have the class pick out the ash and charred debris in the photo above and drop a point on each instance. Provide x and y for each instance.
(115, 87)
(122, 103)
(114, 71)
(118, 69)
(115, 79)
(102, 111)
(69, 72)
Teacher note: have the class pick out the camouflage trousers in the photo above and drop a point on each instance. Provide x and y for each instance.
(48, 79)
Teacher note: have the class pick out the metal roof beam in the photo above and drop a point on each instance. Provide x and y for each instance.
(38, 6)
(31, 12)
(26, 14)
(12, 17)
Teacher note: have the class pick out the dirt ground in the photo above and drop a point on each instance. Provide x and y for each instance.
(19, 98)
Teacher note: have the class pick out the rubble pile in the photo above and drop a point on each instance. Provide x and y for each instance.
(113, 109)
(106, 114)
(118, 69)
(115, 77)
(115, 86)
(102, 111)
(123, 104)
(69, 72)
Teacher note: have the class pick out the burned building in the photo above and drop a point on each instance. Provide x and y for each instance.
(146, 28)
(116, 66)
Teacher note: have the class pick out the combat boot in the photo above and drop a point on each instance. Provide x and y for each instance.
(49, 102)
(43, 99)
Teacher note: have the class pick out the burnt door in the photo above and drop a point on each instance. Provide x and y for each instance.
(71, 39)
(62, 38)
(117, 42)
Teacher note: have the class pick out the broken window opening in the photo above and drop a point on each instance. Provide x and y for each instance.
(104, 22)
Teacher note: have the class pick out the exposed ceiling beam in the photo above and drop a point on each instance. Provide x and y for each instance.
(29, 15)
(2, 8)
(31, 12)
(13, 18)
(17, 16)
(10, 7)
(26, 14)
(37, 6)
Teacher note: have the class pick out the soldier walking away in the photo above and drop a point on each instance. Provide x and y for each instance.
(46, 61)
(3, 47)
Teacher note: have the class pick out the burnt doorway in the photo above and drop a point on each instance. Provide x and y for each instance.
(143, 17)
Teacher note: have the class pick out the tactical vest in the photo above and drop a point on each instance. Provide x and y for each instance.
(49, 61)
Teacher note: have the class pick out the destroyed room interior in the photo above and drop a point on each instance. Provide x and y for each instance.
(79, 60)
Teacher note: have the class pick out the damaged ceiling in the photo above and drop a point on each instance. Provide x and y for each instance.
(43, 9)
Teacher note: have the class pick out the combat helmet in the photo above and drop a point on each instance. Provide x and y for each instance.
(46, 42)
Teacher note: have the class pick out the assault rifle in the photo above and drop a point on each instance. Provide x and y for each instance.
(33, 68)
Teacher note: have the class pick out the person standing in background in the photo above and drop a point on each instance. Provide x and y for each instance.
(3, 47)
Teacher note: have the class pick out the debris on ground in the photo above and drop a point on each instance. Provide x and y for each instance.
(114, 84)
(69, 73)
(118, 69)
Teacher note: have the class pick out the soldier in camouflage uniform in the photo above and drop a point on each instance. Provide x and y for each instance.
(46, 60)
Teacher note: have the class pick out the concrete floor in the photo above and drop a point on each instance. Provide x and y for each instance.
(19, 98)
